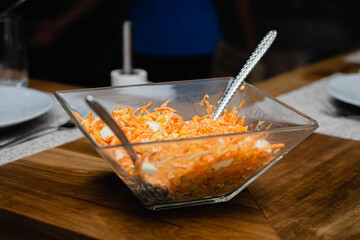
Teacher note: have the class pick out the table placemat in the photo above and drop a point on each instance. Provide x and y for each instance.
(310, 100)
(54, 117)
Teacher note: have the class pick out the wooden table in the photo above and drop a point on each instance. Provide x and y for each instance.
(69, 192)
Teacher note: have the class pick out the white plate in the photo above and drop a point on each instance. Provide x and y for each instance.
(18, 105)
(345, 88)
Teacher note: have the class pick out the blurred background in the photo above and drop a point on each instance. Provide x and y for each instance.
(80, 41)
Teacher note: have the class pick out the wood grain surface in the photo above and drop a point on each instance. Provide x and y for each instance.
(72, 188)
(314, 192)
(70, 192)
(48, 86)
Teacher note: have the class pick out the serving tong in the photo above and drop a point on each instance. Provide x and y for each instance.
(106, 117)
(147, 188)
(244, 72)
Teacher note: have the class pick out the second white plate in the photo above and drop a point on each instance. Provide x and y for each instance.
(345, 88)
(18, 105)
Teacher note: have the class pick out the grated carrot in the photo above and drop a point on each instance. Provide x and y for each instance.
(193, 168)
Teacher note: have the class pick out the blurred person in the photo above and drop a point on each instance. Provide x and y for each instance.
(174, 40)
(65, 38)
(79, 42)
(177, 40)
(46, 31)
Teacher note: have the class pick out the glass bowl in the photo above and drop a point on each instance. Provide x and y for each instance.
(199, 170)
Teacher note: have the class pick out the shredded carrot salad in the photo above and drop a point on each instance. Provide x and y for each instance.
(191, 169)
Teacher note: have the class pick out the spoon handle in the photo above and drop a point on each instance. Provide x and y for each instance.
(249, 65)
(106, 117)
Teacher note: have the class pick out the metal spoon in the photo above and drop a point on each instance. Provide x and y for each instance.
(106, 117)
(249, 65)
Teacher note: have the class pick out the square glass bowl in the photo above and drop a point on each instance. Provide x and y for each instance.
(202, 170)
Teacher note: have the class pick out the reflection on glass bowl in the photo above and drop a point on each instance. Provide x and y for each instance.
(193, 170)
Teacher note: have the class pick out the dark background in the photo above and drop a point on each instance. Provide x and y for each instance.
(86, 51)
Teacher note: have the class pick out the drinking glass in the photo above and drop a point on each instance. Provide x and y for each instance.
(13, 57)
